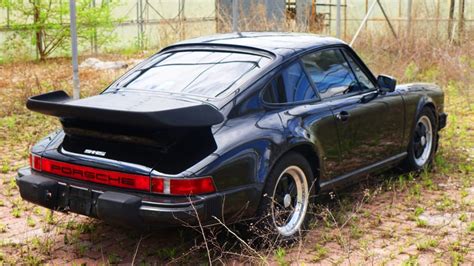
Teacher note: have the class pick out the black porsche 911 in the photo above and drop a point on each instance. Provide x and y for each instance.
(226, 128)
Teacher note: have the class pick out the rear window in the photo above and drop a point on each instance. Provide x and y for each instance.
(203, 73)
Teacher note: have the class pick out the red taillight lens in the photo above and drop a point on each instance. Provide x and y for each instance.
(35, 162)
(157, 185)
(191, 186)
(180, 187)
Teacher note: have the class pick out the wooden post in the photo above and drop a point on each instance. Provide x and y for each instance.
(366, 11)
(437, 18)
(399, 15)
(450, 21)
(461, 20)
(181, 19)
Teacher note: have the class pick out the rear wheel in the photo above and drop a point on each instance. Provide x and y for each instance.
(286, 203)
(422, 146)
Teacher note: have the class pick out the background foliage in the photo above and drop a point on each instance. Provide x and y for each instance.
(45, 24)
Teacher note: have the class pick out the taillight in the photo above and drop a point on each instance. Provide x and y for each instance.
(35, 162)
(183, 186)
(159, 185)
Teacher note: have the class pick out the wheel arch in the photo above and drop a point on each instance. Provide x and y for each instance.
(309, 151)
(427, 102)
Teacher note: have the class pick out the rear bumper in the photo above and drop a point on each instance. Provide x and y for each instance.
(118, 207)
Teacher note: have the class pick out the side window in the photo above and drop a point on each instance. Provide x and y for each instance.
(364, 81)
(291, 85)
(330, 73)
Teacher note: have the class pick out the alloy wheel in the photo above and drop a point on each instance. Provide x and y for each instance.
(290, 200)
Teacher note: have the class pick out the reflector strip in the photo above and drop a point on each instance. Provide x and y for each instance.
(90, 174)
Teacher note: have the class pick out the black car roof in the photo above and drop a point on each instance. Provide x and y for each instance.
(279, 43)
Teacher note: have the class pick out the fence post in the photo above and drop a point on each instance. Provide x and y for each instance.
(75, 67)
(345, 19)
(338, 19)
(409, 17)
(140, 21)
(235, 16)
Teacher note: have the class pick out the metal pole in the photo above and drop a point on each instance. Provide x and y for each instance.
(363, 22)
(338, 19)
(387, 19)
(366, 11)
(141, 32)
(345, 19)
(75, 67)
(235, 16)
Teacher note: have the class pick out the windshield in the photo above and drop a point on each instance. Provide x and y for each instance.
(203, 73)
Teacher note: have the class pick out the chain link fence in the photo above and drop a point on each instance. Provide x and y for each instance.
(150, 24)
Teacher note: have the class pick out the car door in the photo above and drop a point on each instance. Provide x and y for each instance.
(369, 124)
(292, 97)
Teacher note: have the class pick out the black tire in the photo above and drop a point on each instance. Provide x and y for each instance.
(270, 207)
(414, 161)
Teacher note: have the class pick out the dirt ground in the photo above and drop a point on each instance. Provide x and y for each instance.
(391, 219)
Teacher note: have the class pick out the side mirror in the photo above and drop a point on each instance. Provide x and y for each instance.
(386, 83)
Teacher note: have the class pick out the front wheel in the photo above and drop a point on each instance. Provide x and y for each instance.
(422, 146)
(285, 206)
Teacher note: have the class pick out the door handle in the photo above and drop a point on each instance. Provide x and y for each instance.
(343, 116)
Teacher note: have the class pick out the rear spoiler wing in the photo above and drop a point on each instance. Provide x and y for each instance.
(59, 104)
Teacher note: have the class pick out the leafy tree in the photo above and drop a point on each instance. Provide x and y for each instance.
(46, 22)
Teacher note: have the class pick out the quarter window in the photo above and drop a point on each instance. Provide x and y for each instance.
(291, 85)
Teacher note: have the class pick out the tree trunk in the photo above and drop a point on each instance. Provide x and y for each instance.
(461, 20)
(450, 22)
(38, 29)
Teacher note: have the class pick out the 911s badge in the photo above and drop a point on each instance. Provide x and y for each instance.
(94, 152)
